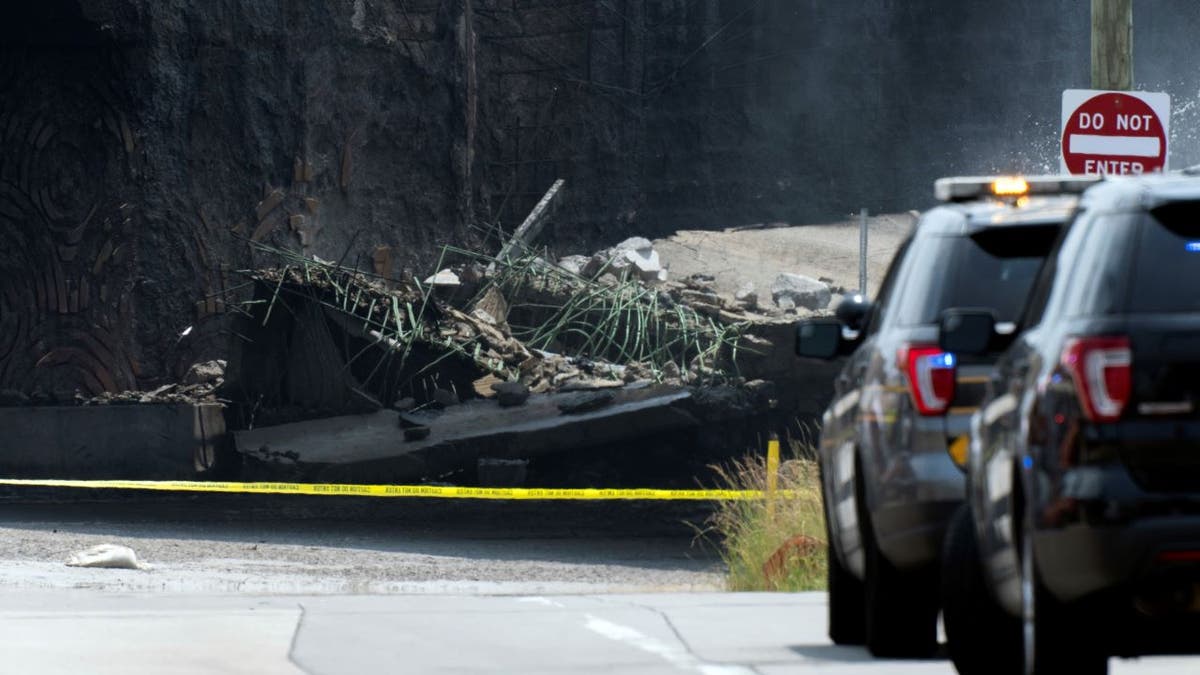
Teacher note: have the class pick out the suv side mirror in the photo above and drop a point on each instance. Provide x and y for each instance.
(967, 331)
(853, 311)
(819, 338)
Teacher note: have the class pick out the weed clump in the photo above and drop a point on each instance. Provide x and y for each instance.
(771, 544)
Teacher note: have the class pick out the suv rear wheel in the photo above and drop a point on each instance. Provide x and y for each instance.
(983, 638)
(901, 607)
(847, 619)
(1053, 633)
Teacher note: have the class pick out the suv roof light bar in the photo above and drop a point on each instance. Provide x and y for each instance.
(964, 188)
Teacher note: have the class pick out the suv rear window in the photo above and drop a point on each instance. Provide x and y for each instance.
(992, 268)
(1166, 272)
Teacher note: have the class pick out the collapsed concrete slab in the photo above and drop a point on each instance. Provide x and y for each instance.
(373, 447)
(338, 377)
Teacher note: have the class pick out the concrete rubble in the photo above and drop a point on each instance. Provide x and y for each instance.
(796, 290)
(490, 371)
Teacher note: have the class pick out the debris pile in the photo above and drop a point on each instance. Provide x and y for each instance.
(342, 374)
(482, 323)
(199, 385)
(481, 368)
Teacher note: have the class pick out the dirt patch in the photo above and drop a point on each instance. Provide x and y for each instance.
(735, 257)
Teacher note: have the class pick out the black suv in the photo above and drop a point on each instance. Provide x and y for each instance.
(1082, 538)
(901, 404)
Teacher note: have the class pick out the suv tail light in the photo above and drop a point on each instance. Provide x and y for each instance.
(931, 377)
(1102, 369)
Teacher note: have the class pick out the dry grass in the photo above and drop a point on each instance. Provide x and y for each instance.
(772, 550)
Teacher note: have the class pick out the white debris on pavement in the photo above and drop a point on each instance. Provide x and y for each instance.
(113, 556)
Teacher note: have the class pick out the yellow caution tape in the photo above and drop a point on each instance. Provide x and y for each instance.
(430, 491)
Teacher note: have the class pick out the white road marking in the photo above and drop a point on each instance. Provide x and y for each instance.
(676, 655)
(539, 600)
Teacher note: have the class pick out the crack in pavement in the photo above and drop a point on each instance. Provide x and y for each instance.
(683, 656)
(291, 654)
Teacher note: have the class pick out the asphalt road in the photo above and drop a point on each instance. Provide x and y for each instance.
(72, 632)
(330, 585)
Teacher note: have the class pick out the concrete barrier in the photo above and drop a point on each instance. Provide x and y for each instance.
(152, 441)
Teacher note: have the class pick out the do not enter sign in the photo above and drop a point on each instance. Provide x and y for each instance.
(1114, 132)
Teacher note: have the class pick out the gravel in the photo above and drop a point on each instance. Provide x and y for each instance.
(316, 545)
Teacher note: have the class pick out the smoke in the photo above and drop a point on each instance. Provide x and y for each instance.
(1184, 142)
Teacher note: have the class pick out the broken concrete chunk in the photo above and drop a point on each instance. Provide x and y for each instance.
(746, 295)
(403, 404)
(511, 394)
(446, 278)
(595, 265)
(634, 257)
(112, 556)
(209, 372)
(645, 262)
(575, 264)
(483, 315)
(153, 396)
(634, 244)
(801, 291)
(755, 344)
(586, 401)
(590, 384)
(670, 371)
(483, 386)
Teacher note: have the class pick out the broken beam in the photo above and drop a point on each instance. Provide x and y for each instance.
(532, 227)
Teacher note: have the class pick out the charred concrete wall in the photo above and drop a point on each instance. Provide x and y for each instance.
(144, 142)
(698, 113)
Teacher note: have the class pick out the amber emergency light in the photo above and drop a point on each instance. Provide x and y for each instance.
(967, 188)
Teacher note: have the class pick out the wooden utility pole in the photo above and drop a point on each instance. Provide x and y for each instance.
(1112, 44)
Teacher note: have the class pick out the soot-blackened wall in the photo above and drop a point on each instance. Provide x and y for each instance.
(144, 142)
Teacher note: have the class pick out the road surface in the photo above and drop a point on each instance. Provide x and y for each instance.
(329, 585)
(85, 631)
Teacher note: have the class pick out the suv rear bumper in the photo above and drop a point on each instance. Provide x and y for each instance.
(1082, 559)
(1101, 533)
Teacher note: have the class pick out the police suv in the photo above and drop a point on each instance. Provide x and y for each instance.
(896, 428)
(1081, 539)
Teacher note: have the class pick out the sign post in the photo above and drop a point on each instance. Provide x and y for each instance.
(1114, 132)
(1112, 44)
